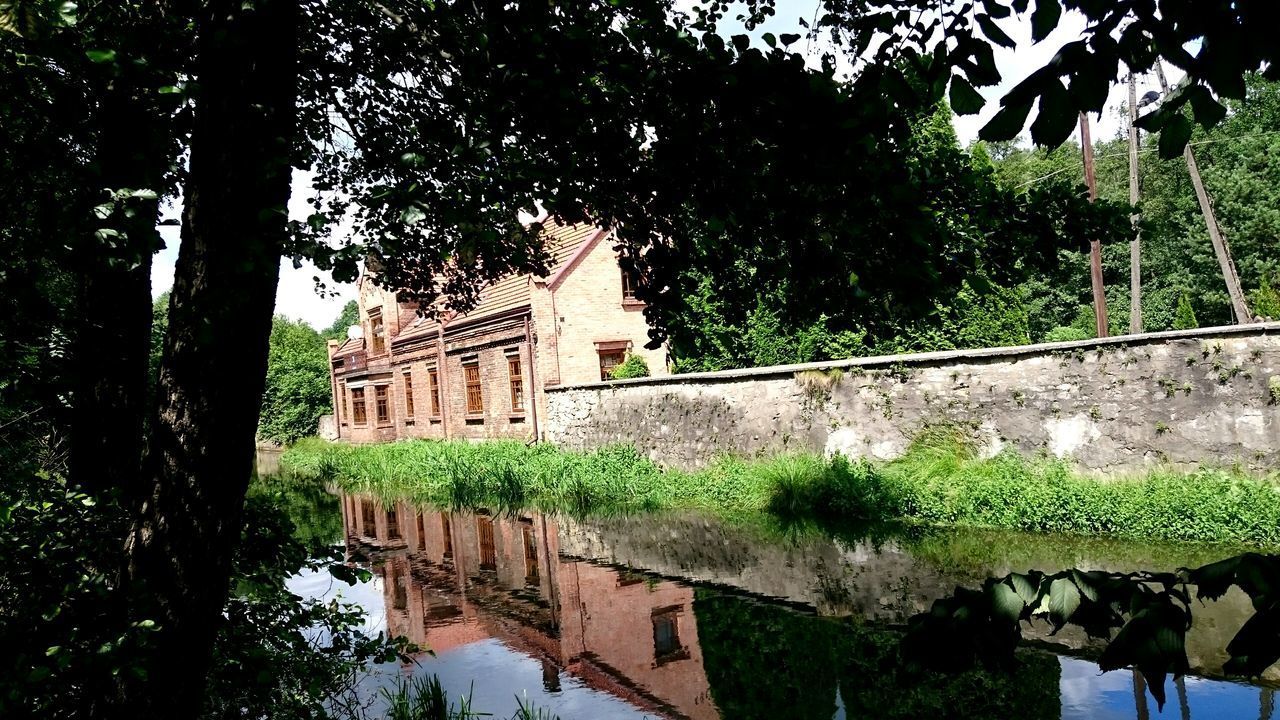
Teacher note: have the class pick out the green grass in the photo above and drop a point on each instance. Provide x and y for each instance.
(510, 474)
(938, 482)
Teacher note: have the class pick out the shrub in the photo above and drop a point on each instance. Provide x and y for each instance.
(1266, 299)
(633, 367)
(1064, 333)
(1184, 317)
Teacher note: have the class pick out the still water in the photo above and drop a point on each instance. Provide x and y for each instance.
(684, 616)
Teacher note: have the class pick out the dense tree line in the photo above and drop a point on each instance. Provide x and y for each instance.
(1240, 161)
(740, 312)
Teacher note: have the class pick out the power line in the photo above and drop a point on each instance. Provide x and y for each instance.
(1147, 150)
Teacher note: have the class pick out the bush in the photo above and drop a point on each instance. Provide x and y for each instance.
(1064, 333)
(1266, 299)
(633, 367)
(1184, 317)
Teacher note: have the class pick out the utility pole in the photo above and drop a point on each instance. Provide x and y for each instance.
(1095, 245)
(1220, 247)
(1135, 242)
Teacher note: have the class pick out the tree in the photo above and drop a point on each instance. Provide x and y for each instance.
(754, 303)
(209, 392)
(297, 389)
(348, 316)
(1185, 317)
(1240, 171)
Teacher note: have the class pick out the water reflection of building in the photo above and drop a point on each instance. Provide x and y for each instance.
(451, 579)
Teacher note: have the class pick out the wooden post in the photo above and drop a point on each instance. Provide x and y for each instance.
(1135, 243)
(1220, 248)
(1095, 246)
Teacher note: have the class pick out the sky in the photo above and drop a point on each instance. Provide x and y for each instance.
(297, 298)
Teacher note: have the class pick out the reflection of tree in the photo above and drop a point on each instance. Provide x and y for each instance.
(1149, 612)
(765, 661)
(312, 509)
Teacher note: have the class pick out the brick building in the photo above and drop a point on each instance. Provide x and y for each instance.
(450, 579)
(482, 374)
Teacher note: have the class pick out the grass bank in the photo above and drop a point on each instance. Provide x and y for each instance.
(939, 481)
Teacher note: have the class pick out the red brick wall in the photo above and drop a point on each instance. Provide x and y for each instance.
(566, 323)
(489, 352)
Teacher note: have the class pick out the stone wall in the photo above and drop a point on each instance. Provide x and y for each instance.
(1182, 398)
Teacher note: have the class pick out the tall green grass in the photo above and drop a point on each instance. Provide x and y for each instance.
(939, 481)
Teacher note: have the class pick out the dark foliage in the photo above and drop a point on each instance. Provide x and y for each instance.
(1143, 616)
(764, 661)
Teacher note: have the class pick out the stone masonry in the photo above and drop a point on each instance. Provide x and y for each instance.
(1182, 398)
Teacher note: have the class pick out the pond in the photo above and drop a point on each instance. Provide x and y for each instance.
(689, 616)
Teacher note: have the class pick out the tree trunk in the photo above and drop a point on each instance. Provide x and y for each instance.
(1135, 243)
(200, 452)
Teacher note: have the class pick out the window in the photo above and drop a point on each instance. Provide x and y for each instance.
(377, 332)
(530, 554)
(475, 400)
(382, 405)
(517, 383)
(408, 394)
(433, 380)
(609, 359)
(396, 581)
(368, 522)
(393, 525)
(358, 415)
(422, 531)
(666, 634)
(488, 553)
(630, 279)
(448, 536)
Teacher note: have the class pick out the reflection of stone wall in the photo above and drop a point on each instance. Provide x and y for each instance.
(880, 581)
(1181, 397)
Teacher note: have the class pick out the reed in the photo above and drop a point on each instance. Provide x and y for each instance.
(939, 481)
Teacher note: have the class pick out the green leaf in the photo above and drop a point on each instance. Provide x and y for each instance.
(412, 215)
(1056, 117)
(995, 9)
(1064, 598)
(964, 99)
(788, 38)
(1007, 123)
(100, 56)
(1174, 136)
(1026, 586)
(741, 43)
(993, 31)
(1209, 112)
(1087, 583)
(1044, 19)
(770, 40)
(1005, 602)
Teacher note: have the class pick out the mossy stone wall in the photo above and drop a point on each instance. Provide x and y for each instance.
(1182, 399)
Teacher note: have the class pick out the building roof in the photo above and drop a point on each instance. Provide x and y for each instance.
(509, 292)
(348, 346)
